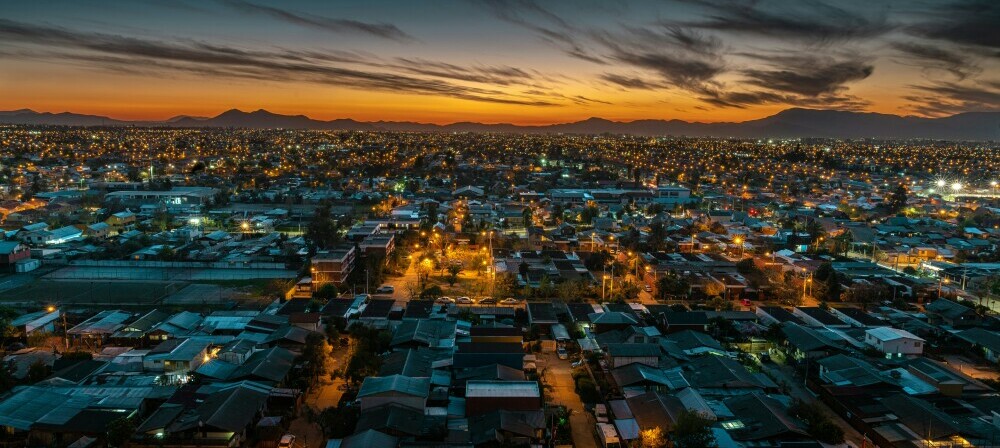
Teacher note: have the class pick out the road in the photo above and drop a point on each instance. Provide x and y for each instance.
(559, 376)
(969, 367)
(785, 375)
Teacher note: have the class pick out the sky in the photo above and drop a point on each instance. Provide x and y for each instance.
(500, 61)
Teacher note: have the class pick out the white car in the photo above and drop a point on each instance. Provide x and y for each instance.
(464, 300)
(444, 300)
(385, 289)
(509, 301)
(286, 441)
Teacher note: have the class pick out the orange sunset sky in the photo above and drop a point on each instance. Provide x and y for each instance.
(520, 61)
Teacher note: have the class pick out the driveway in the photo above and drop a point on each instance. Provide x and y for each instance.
(559, 377)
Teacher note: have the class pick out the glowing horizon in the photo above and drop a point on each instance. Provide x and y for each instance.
(499, 61)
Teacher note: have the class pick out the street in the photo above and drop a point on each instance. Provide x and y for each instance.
(559, 377)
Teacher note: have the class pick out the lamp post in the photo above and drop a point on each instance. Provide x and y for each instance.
(942, 281)
(739, 242)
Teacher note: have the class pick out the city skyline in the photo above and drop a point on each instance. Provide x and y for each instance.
(523, 62)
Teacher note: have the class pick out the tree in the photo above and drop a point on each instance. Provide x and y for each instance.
(693, 431)
(453, 270)
(713, 288)
(323, 230)
(120, 431)
(653, 438)
(431, 293)
(897, 199)
(818, 423)
(339, 422)
(37, 371)
(326, 292)
(672, 285)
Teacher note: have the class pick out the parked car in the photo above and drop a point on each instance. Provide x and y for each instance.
(509, 301)
(444, 300)
(487, 301)
(385, 289)
(286, 441)
(464, 300)
(562, 353)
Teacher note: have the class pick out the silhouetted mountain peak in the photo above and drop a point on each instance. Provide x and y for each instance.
(789, 123)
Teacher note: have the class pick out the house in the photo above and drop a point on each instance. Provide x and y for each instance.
(401, 421)
(806, 342)
(510, 428)
(893, 342)
(624, 354)
(714, 374)
(817, 317)
(52, 237)
(39, 322)
(98, 230)
(120, 222)
(483, 397)
(395, 389)
(332, 266)
(94, 331)
(176, 357)
(11, 252)
(424, 333)
(614, 320)
(761, 420)
(986, 341)
(947, 312)
(469, 354)
(223, 418)
(639, 377)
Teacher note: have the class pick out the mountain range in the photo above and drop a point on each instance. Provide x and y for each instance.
(789, 123)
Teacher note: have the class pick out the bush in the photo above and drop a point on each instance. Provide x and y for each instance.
(587, 390)
(432, 293)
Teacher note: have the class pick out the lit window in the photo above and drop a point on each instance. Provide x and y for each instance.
(734, 424)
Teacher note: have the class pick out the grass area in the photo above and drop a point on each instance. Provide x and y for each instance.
(96, 292)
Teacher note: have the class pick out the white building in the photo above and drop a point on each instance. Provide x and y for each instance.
(894, 342)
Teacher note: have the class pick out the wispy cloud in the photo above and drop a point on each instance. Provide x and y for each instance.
(114, 51)
(970, 23)
(806, 20)
(947, 98)
(329, 24)
(934, 57)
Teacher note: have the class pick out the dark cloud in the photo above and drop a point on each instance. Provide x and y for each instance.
(631, 82)
(742, 99)
(808, 76)
(809, 20)
(947, 98)
(496, 75)
(118, 52)
(680, 58)
(334, 25)
(927, 56)
(964, 22)
(545, 24)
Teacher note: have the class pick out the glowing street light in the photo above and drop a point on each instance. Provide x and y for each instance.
(957, 186)
(941, 183)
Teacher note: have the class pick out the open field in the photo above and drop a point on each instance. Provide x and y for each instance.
(166, 274)
(97, 292)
